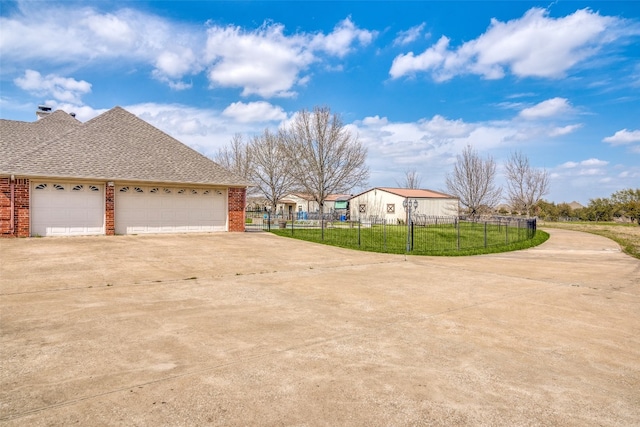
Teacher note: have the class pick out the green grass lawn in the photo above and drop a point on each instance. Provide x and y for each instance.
(445, 239)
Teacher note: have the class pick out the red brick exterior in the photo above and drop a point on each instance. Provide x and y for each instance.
(109, 210)
(21, 208)
(237, 201)
(14, 223)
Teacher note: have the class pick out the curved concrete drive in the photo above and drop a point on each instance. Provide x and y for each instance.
(254, 329)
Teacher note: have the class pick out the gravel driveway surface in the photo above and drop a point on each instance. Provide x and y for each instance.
(244, 329)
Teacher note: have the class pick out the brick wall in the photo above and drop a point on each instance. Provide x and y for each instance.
(21, 188)
(109, 210)
(20, 211)
(237, 200)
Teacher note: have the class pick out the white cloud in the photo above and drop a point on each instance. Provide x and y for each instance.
(263, 61)
(431, 59)
(429, 144)
(63, 89)
(175, 64)
(439, 126)
(630, 174)
(594, 162)
(113, 30)
(564, 130)
(63, 35)
(339, 42)
(588, 163)
(532, 46)
(254, 112)
(569, 165)
(549, 108)
(268, 63)
(591, 172)
(623, 137)
(409, 36)
(59, 33)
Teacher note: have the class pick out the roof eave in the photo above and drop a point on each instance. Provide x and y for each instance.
(123, 179)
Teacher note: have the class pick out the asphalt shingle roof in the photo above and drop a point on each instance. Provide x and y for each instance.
(17, 139)
(114, 146)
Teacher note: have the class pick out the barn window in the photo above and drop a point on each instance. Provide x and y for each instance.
(391, 208)
(93, 188)
(58, 187)
(78, 187)
(362, 208)
(41, 186)
(124, 189)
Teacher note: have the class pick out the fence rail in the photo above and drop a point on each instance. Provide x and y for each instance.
(423, 235)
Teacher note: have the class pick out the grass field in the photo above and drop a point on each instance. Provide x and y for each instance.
(626, 235)
(443, 239)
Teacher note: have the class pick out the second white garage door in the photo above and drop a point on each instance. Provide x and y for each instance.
(158, 209)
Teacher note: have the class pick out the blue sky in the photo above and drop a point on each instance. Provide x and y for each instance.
(417, 81)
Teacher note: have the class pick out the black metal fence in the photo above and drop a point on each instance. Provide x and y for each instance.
(423, 235)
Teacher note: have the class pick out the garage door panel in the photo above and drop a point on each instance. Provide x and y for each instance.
(67, 209)
(169, 210)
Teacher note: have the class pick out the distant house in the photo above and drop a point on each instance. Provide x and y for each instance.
(575, 205)
(114, 174)
(387, 203)
(300, 205)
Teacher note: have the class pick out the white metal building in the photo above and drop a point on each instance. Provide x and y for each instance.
(387, 203)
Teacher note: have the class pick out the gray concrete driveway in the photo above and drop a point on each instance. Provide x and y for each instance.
(254, 329)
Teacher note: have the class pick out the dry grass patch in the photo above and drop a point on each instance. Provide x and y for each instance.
(626, 235)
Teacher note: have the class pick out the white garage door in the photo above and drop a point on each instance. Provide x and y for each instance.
(158, 209)
(67, 209)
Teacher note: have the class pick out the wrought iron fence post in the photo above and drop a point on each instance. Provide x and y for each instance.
(506, 234)
(384, 234)
(485, 234)
(535, 227)
(412, 235)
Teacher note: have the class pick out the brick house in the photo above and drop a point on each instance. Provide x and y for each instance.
(114, 174)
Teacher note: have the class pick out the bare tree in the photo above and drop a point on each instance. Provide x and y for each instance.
(411, 179)
(235, 157)
(269, 171)
(526, 185)
(472, 181)
(324, 158)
